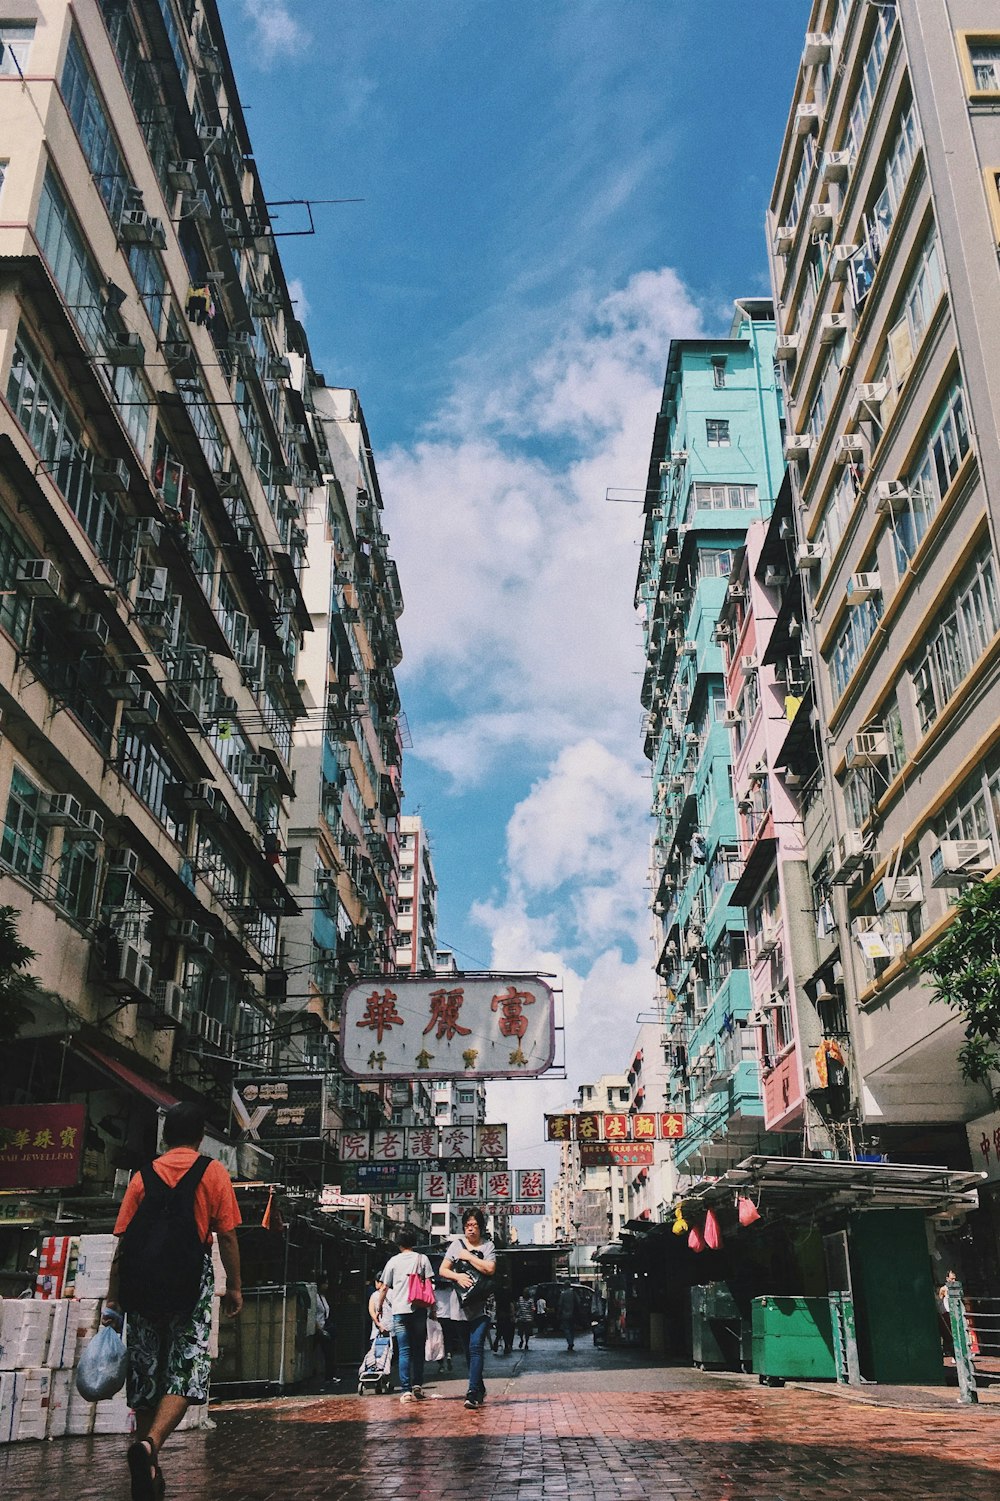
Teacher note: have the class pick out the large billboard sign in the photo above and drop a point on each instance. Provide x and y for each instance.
(41, 1145)
(448, 1027)
(279, 1107)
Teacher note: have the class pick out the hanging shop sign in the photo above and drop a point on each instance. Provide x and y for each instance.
(499, 1186)
(464, 1027)
(984, 1144)
(41, 1145)
(616, 1153)
(279, 1108)
(416, 1145)
(379, 1177)
(594, 1126)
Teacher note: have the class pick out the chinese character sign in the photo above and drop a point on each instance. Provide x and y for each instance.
(491, 1141)
(480, 1026)
(422, 1143)
(644, 1127)
(672, 1125)
(616, 1128)
(457, 1141)
(469, 1186)
(40, 1145)
(557, 1127)
(387, 1146)
(499, 1185)
(530, 1185)
(434, 1186)
(588, 1126)
(279, 1108)
(355, 1146)
(984, 1136)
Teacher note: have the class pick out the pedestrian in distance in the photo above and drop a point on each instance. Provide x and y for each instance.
(409, 1320)
(524, 1321)
(469, 1262)
(324, 1333)
(162, 1277)
(541, 1309)
(566, 1310)
(505, 1325)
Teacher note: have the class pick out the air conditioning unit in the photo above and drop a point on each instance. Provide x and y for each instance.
(807, 118)
(748, 666)
(813, 1079)
(231, 223)
(867, 748)
(891, 495)
(147, 531)
(690, 648)
(61, 808)
(867, 399)
(212, 138)
(201, 797)
(786, 347)
(732, 718)
(129, 968)
(123, 863)
(155, 582)
(774, 578)
(832, 326)
(826, 921)
(798, 445)
(262, 768)
(156, 617)
(136, 227)
(862, 586)
(39, 578)
(112, 476)
(840, 259)
(671, 555)
(278, 368)
(955, 861)
(784, 239)
(836, 166)
(93, 629)
(692, 740)
(265, 304)
(191, 935)
(817, 48)
(808, 555)
(852, 855)
(188, 700)
(183, 175)
(197, 206)
(143, 710)
(242, 347)
(125, 686)
(92, 824)
(897, 893)
(128, 350)
(820, 219)
(766, 943)
(225, 705)
(848, 448)
(166, 1004)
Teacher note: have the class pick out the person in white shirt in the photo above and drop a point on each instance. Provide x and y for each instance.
(409, 1320)
(469, 1262)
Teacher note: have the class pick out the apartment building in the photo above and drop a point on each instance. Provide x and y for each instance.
(650, 1186)
(716, 466)
(416, 921)
(884, 227)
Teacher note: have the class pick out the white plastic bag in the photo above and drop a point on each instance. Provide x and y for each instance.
(434, 1348)
(103, 1366)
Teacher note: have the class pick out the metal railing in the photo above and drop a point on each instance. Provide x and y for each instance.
(975, 1335)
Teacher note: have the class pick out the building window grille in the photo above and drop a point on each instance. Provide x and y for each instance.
(22, 847)
(960, 637)
(717, 432)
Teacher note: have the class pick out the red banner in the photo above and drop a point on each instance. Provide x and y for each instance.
(41, 1145)
(595, 1126)
(616, 1153)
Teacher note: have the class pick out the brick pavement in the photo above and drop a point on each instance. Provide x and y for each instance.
(725, 1441)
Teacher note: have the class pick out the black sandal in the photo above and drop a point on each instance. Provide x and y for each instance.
(144, 1471)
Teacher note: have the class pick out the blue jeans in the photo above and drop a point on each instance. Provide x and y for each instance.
(410, 1330)
(474, 1332)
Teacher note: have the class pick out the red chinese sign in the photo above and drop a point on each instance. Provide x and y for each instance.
(591, 1126)
(616, 1153)
(40, 1145)
(673, 1125)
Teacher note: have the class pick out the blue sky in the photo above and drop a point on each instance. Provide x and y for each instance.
(552, 191)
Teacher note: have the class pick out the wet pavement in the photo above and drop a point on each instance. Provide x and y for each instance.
(556, 1427)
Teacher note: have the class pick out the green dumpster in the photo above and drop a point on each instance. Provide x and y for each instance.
(718, 1339)
(793, 1337)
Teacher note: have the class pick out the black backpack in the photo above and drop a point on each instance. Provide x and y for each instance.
(161, 1256)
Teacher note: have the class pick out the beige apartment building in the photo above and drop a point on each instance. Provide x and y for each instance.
(884, 227)
(155, 459)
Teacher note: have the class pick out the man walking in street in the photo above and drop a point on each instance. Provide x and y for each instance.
(566, 1309)
(162, 1277)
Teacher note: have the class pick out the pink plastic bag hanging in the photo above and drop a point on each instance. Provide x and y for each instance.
(713, 1233)
(695, 1241)
(747, 1211)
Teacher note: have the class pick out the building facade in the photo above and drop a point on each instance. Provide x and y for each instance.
(416, 922)
(716, 466)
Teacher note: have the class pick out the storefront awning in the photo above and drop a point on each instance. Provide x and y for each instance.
(122, 1074)
(793, 1183)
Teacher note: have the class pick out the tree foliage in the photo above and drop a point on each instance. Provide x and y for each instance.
(963, 969)
(17, 988)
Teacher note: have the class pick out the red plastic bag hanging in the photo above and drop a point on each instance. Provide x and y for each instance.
(713, 1232)
(747, 1211)
(695, 1241)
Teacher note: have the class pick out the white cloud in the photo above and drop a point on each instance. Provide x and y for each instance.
(300, 302)
(278, 33)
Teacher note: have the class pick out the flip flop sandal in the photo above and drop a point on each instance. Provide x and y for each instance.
(144, 1472)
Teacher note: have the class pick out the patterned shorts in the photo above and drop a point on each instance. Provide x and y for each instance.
(169, 1357)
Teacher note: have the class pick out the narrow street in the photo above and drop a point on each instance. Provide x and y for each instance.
(594, 1424)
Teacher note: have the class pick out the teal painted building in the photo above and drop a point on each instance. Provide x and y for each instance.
(716, 466)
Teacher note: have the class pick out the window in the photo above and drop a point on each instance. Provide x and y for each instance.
(982, 64)
(919, 302)
(929, 480)
(719, 371)
(16, 42)
(717, 432)
(871, 72)
(722, 497)
(77, 888)
(957, 641)
(22, 847)
(93, 127)
(860, 624)
(404, 906)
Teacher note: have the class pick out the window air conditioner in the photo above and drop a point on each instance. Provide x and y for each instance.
(155, 582)
(147, 531)
(201, 797)
(136, 227)
(692, 739)
(227, 482)
(61, 808)
(820, 221)
(92, 823)
(817, 48)
(278, 368)
(209, 1029)
(766, 943)
(897, 894)
(732, 718)
(955, 861)
(129, 966)
(128, 350)
(867, 399)
(93, 629)
(183, 175)
(774, 577)
(840, 258)
(748, 666)
(863, 586)
(123, 863)
(112, 475)
(836, 166)
(867, 748)
(124, 686)
(891, 495)
(143, 710)
(848, 448)
(852, 855)
(797, 445)
(242, 347)
(832, 326)
(156, 617)
(191, 935)
(690, 648)
(39, 578)
(166, 1004)
(212, 138)
(231, 223)
(807, 118)
(808, 555)
(225, 704)
(671, 555)
(784, 239)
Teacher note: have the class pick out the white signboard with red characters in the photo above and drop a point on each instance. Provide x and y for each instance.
(448, 1027)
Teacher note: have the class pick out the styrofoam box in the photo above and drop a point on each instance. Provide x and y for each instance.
(59, 1401)
(9, 1383)
(25, 1325)
(114, 1415)
(93, 1266)
(59, 1335)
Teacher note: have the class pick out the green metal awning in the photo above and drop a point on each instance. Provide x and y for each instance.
(797, 1183)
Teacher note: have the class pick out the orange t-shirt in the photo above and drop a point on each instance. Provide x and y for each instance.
(215, 1206)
